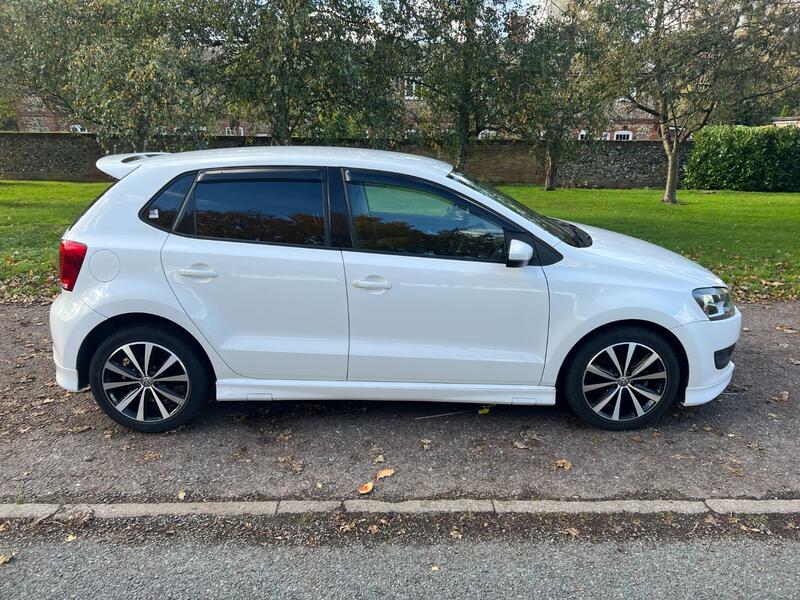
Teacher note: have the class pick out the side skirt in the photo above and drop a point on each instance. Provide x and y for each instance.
(265, 390)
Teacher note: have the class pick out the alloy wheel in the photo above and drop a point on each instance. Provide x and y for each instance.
(624, 381)
(145, 382)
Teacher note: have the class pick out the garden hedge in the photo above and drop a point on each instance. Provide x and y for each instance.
(753, 159)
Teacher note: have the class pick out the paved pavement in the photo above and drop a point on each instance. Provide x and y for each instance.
(58, 447)
(196, 565)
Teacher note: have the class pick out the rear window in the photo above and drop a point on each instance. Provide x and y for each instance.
(163, 208)
(275, 209)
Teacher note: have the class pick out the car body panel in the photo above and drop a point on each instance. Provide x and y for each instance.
(446, 321)
(272, 312)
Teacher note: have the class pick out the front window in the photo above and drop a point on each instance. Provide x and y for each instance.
(566, 232)
(410, 220)
(623, 136)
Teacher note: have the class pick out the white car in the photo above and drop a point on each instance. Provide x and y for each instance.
(332, 273)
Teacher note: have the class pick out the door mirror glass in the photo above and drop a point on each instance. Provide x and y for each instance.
(519, 254)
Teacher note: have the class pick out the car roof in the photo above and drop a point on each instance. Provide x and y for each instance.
(308, 156)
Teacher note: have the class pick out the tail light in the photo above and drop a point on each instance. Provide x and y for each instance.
(71, 255)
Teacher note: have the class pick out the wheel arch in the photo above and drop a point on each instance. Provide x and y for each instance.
(668, 336)
(112, 324)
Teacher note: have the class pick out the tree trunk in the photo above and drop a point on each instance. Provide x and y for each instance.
(463, 138)
(673, 166)
(550, 169)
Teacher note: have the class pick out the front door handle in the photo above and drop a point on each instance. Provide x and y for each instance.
(372, 284)
(197, 273)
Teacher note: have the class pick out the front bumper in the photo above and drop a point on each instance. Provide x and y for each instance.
(71, 320)
(701, 340)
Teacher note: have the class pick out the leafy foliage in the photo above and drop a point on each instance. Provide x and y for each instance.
(763, 159)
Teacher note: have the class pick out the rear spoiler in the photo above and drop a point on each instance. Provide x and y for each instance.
(119, 165)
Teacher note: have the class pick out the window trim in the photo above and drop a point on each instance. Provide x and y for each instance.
(623, 132)
(254, 170)
(508, 227)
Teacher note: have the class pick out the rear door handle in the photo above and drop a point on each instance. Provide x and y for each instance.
(372, 284)
(197, 273)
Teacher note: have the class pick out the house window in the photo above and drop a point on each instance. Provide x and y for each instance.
(582, 134)
(605, 136)
(410, 89)
(623, 136)
(228, 131)
(241, 131)
(77, 128)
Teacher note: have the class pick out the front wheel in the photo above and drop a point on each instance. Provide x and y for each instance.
(148, 379)
(622, 379)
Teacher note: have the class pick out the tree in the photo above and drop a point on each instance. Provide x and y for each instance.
(299, 66)
(453, 53)
(684, 61)
(127, 69)
(553, 89)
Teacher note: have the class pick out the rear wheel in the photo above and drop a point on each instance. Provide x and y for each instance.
(622, 379)
(148, 379)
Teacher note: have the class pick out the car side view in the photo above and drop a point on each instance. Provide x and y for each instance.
(331, 273)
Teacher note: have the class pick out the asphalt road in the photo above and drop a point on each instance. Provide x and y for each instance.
(192, 566)
(59, 447)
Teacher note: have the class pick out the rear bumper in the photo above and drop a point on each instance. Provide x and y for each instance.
(702, 340)
(71, 320)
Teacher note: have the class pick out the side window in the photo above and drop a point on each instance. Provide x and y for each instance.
(409, 220)
(162, 210)
(275, 208)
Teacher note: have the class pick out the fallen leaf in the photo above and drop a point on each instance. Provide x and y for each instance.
(562, 463)
(435, 568)
(373, 529)
(426, 444)
(794, 361)
(365, 488)
(520, 445)
(319, 485)
(456, 534)
(782, 397)
(379, 459)
(571, 531)
(6, 558)
(785, 329)
(383, 473)
(484, 410)
(181, 495)
(71, 538)
(150, 456)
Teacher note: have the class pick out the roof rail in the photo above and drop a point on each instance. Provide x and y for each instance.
(119, 165)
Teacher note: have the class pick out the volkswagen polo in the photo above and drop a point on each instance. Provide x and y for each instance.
(331, 273)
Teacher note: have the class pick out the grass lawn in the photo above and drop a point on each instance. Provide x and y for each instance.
(751, 240)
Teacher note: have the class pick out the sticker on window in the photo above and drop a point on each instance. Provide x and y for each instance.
(153, 214)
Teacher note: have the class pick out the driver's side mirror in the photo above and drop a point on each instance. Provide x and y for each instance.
(519, 254)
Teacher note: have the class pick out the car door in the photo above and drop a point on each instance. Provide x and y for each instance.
(250, 261)
(431, 298)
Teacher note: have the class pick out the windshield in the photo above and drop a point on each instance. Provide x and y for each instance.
(566, 232)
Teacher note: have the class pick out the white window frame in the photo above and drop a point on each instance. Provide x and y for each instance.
(605, 136)
(412, 85)
(620, 136)
(582, 135)
(228, 131)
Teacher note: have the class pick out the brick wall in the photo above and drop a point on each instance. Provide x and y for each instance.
(71, 157)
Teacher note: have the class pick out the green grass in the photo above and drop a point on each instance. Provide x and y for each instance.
(33, 216)
(751, 240)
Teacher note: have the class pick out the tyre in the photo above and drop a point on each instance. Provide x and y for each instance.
(624, 378)
(148, 379)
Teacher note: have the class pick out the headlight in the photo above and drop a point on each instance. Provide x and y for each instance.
(716, 302)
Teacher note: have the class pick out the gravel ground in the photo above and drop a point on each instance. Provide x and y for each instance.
(59, 447)
(395, 558)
